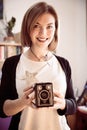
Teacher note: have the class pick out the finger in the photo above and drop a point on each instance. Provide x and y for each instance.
(28, 88)
(58, 100)
(56, 106)
(58, 94)
(28, 91)
(32, 95)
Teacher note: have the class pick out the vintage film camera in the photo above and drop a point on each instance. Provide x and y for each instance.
(44, 94)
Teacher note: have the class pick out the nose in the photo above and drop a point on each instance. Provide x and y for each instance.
(42, 31)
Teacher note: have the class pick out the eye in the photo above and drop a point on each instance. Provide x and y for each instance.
(35, 26)
(50, 27)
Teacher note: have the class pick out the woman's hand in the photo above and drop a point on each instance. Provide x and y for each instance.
(12, 107)
(27, 95)
(59, 100)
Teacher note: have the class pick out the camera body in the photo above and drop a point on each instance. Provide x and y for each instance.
(44, 94)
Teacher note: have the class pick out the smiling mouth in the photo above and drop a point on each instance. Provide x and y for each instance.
(42, 39)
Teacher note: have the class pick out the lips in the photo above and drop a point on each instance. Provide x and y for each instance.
(42, 39)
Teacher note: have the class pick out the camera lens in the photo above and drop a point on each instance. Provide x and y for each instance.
(44, 95)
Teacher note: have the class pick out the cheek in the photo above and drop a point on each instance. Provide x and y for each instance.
(51, 34)
(33, 34)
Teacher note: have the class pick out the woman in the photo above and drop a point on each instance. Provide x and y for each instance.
(37, 65)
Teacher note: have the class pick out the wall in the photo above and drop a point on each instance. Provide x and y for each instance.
(72, 32)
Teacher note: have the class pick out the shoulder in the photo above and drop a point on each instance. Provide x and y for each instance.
(65, 65)
(11, 62)
(63, 61)
(13, 59)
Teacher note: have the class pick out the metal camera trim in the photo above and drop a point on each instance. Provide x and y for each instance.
(41, 96)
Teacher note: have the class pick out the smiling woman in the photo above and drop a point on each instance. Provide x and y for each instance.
(38, 65)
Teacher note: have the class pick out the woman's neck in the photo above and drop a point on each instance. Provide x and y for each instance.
(38, 54)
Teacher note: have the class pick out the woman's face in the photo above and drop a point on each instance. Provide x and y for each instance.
(42, 32)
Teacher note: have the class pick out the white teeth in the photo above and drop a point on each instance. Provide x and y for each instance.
(42, 39)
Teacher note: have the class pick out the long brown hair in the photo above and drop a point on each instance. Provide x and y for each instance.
(29, 19)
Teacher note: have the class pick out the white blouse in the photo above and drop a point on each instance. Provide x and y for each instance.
(29, 72)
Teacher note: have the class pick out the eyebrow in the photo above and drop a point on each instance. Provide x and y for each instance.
(47, 24)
